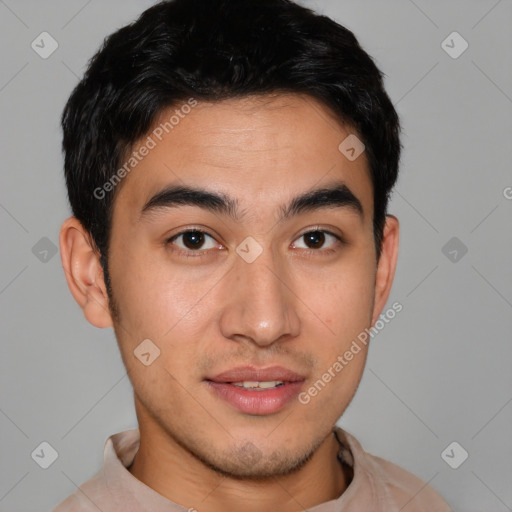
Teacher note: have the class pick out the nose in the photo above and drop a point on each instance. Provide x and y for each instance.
(260, 305)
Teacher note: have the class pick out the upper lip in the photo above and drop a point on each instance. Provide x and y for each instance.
(254, 374)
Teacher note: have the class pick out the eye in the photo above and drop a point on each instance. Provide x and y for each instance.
(316, 239)
(193, 240)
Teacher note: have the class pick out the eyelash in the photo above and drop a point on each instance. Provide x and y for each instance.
(202, 253)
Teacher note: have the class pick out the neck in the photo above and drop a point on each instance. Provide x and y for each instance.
(176, 474)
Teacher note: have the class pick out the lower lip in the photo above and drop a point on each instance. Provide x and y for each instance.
(258, 402)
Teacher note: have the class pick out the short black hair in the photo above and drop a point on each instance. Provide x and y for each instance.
(213, 50)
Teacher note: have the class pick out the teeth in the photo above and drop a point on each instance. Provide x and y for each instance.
(248, 384)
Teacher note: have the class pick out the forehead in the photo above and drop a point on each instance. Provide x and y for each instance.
(259, 149)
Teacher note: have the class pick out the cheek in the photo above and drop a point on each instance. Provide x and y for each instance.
(345, 306)
(175, 309)
(343, 298)
(154, 296)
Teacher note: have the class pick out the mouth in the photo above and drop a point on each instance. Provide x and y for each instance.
(257, 391)
(257, 386)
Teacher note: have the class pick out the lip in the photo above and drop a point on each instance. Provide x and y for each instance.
(243, 373)
(256, 402)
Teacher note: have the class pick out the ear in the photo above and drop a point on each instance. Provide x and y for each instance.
(386, 266)
(81, 263)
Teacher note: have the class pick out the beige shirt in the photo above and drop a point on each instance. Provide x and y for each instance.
(377, 485)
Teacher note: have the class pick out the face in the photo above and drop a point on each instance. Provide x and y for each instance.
(247, 286)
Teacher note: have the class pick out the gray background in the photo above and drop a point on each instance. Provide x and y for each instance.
(438, 373)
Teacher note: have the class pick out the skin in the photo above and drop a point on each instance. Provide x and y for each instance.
(295, 306)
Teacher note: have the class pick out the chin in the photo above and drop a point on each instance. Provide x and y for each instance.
(249, 464)
(247, 461)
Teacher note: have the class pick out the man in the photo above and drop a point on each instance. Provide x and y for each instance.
(229, 163)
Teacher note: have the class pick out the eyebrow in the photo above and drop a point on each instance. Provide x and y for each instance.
(337, 195)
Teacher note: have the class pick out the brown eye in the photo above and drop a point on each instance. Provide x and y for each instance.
(315, 240)
(193, 240)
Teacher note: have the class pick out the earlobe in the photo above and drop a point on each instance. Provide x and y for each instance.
(387, 265)
(84, 275)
